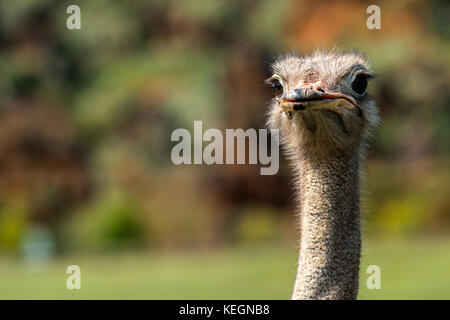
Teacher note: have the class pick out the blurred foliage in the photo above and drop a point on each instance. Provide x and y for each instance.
(12, 224)
(257, 225)
(112, 221)
(86, 117)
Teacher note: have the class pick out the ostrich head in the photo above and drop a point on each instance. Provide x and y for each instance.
(321, 105)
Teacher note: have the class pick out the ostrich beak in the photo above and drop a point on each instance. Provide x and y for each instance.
(302, 99)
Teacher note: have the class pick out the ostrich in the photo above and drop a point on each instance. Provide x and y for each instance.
(325, 117)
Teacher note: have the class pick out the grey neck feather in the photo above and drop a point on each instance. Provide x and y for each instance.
(330, 245)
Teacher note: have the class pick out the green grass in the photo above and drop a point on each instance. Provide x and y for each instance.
(409, 270)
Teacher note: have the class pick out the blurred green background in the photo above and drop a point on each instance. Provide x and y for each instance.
(85, 170)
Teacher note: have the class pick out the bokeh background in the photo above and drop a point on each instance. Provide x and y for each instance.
(85, 170)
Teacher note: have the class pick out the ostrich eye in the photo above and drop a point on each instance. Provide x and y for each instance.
(277, 88)
(359, 85)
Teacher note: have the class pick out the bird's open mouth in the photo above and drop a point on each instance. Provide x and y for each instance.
(317, 100)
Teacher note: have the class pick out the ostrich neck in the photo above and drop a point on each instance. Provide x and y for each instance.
(330, 242)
